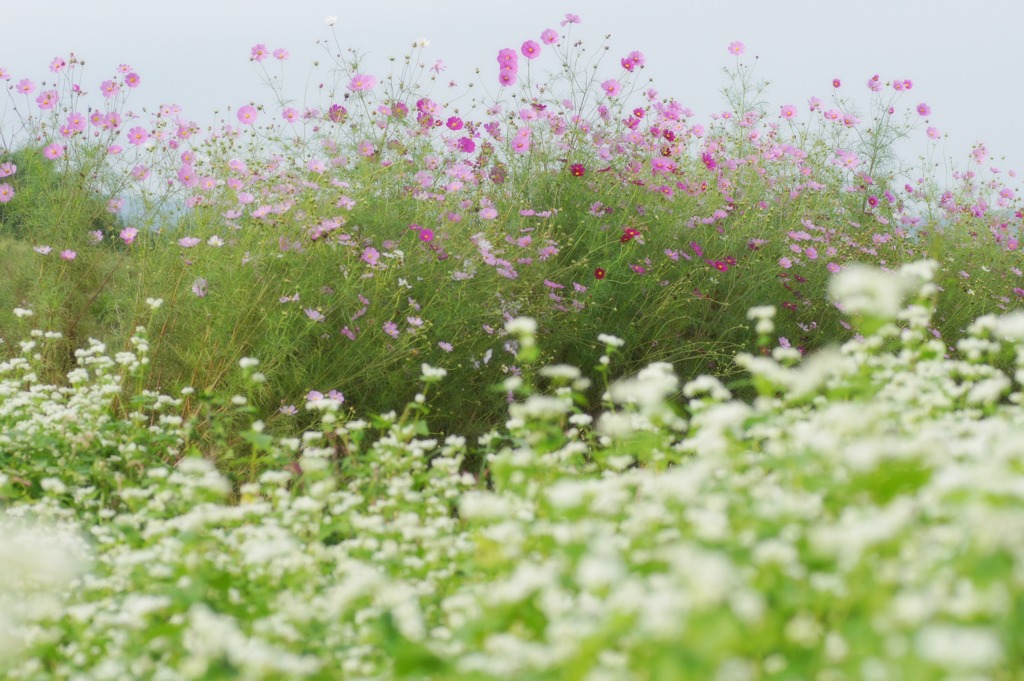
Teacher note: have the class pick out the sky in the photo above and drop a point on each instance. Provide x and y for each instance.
(962, 56)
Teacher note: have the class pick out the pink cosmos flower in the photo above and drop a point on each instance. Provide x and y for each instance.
(785, 263)
(7, 169)
(138, 135)
(836, 82)
(933, 132)
(199, 287)
(132, 80)
(281, 54)
(25, 86)
(737, 48)
(391, 329)
(633, 60)
(57, 64)
(611, 87)
(549, 36)
(6, 192)
(46, 99)
(530, 49)
(833, 268)
(188, 241)
(68, 254)
(128, 234)
(787, 111)
(259, 52)
(371, 256)
(570, 19)
(361, 82)
(426, 235)
(247, 114)
(923, 109)
(447, 347)
(109, 88)
(53, 151)
(507, 77)
(508, 59)
(291, 115)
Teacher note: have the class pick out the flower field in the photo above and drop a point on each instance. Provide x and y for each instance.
(550, 380)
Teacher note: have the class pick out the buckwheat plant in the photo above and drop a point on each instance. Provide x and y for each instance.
(858, 519)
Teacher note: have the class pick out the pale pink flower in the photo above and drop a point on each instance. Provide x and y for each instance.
(371, 256)
(611, 87)
(361, 82)
(787, 111)
(109, 88)
(785, 263)
(923, 109)
(737, 48)
(281, 54)
(138, 135)
(570, 19)
(128, 234)
(933, 132)
(247, 114)
(53, 151)
(549, 36)
(199, 287)
(6, 192)
(68, 254)
(25, 86)
(259, 52)
(391, 329)
(46, 99)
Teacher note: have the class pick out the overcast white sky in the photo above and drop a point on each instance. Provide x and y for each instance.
(963, 56)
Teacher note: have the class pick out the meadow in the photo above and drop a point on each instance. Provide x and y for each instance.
(548, 380)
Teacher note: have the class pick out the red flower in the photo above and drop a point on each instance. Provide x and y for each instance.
(599, 273)
(577, 169)
(628, 233)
